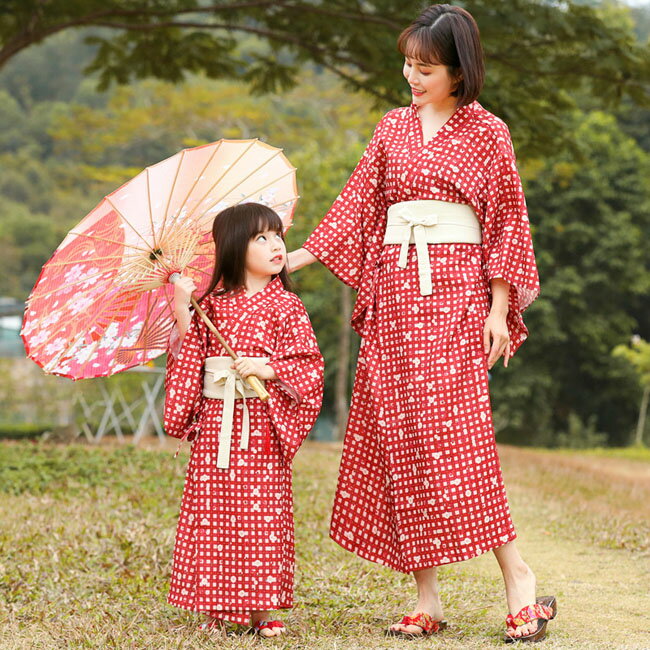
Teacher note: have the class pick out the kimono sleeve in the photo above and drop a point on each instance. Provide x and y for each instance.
(184, 382)
(340, 240)
(507, 243)
(297, 394)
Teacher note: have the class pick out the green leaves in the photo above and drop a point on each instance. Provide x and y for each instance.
(540, 56)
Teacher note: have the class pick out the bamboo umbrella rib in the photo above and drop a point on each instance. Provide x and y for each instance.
(183, 238)
(98, 341)
(259, 189)
(286, 202)
(144, 326)
(198, 177)
(110, 241)
(239, 182)
(128, 223)
(196, 268)
(119, 345)
(87, 327)
(224, 174)
(171, 193)
(153, 230)
(145, 265)
(66, 285)
(185, 252)
(86, 260)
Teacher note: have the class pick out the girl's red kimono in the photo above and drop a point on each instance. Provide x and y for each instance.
(234, 549)
(420, 482)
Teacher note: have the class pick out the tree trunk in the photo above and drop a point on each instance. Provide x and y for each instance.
(342, 370)
(640, 425)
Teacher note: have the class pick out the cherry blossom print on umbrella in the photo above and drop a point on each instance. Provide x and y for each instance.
(103, 303)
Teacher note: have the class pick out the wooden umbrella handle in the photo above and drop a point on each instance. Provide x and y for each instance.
(252, 381)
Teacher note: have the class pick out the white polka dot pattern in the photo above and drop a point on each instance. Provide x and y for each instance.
(234, 549)
(420, 483)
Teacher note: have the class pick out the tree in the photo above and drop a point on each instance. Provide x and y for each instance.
(638, 354)
(590, 215)
(537, 52)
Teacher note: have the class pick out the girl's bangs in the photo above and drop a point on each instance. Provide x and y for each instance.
(267, 220)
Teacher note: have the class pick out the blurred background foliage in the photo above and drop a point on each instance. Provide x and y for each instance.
(571, 80)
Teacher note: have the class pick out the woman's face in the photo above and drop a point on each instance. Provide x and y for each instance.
(430, 83)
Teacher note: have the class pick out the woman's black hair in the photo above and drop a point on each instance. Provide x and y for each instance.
(232, 230)
(449, 35)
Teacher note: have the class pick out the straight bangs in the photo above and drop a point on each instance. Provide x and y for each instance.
(267, 220)
(417, 42)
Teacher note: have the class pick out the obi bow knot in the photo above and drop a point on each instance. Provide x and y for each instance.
(413, 231)
(223, 382)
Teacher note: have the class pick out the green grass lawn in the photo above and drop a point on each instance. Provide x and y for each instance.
(86, 538)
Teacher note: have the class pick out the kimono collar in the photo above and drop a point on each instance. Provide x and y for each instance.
(457, 117)
(274, 287)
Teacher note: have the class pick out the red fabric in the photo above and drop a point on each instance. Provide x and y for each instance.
(270, 624)
(528, 614)
(234, 548)
(470, 160)
(423, 620)
(420, 482)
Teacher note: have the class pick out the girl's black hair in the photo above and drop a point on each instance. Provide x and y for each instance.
(232, 230)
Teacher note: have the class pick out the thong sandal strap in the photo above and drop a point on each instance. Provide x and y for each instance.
(423, 620)
(261, 625)
(529, 614)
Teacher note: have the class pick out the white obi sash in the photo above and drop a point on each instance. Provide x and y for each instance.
(220, 381)
(429, 222)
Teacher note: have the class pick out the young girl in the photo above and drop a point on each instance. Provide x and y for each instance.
(234, 551)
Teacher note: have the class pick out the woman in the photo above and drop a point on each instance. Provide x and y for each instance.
(432, 231)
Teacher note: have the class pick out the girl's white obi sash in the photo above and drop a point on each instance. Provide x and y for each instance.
(220, 381)
(429, 222)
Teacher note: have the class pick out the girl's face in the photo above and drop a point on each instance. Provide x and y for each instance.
(266, 254)
(430, 83)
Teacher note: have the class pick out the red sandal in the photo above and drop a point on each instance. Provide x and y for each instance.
(265, 625)
(213, 624)
(542, 611)
(421, 619)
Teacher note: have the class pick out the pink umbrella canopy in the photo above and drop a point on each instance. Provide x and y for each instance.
(103, 303)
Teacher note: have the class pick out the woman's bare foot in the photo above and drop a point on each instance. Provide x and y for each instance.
(258, 617)
(520, 592)
(520, 584)
(428, 601)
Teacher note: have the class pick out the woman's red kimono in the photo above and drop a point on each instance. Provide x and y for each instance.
(234, 549)
(420, 482)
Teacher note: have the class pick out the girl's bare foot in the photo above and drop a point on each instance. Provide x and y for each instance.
(259, 617)
(211, 623)
(428, 601)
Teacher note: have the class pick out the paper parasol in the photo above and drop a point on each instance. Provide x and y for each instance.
(103, 302)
